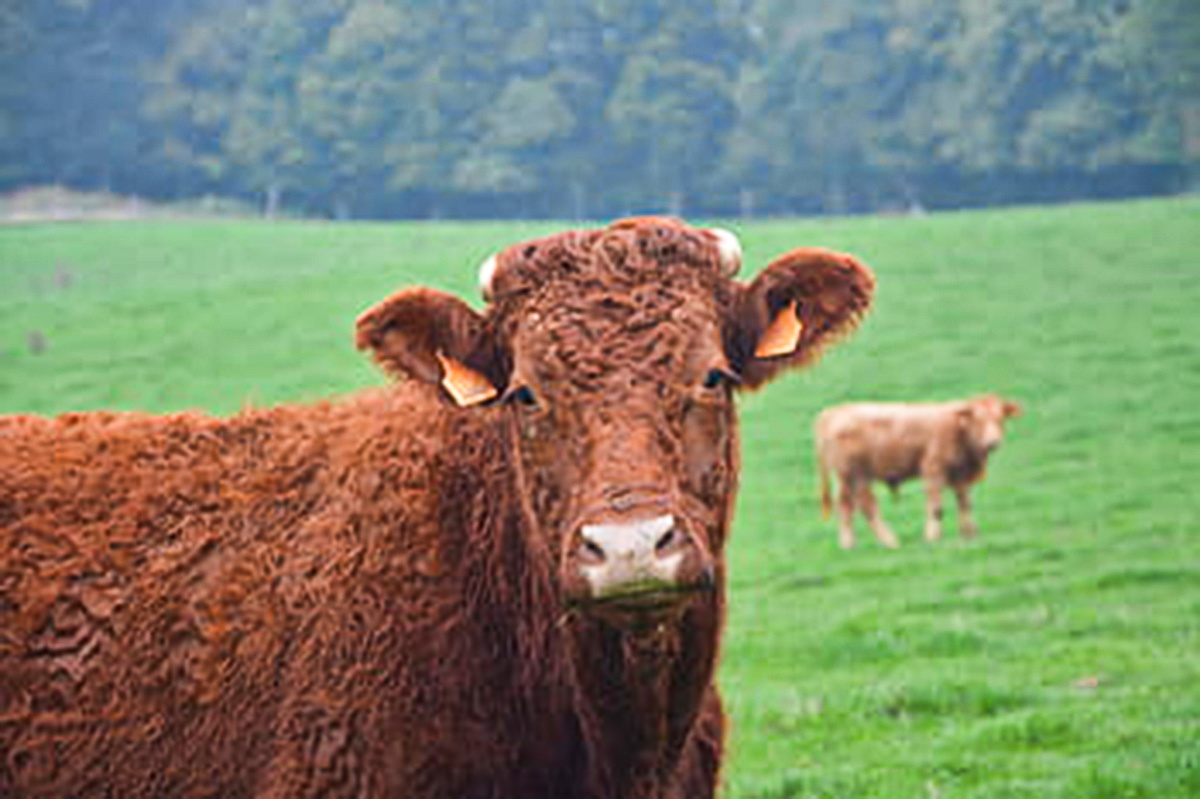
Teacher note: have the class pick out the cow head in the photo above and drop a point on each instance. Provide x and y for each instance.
(982, 421)
(613, 356)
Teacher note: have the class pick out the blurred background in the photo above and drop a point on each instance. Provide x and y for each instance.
(1054, 657)
(596, 108)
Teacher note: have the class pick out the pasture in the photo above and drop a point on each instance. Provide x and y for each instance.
(1056, 656)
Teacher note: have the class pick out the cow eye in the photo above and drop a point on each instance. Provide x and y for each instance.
(719, 377)
(521, 395)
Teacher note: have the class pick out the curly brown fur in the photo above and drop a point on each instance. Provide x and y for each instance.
(382, 595)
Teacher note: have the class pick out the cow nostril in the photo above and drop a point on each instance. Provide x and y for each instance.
(590, 552)
(667, 541)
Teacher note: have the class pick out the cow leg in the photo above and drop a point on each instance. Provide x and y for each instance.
(933, 509)
(966, 522)
(870, 509)
(845, 514)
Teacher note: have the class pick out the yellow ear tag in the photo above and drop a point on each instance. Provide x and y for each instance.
(783, 334)
(463, 383)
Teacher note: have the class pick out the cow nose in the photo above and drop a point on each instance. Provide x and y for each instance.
(635, 558)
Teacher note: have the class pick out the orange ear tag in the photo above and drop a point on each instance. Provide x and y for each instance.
(463, 383)
(783, 334)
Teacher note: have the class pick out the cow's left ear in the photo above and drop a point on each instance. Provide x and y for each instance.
(1012, 409)
(434, 337)
(802, 302)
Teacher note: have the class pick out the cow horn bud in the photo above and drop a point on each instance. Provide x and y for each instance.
(487, 273)
(730, 250)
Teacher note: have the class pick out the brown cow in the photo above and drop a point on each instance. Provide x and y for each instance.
(945, 444)
(501, 577)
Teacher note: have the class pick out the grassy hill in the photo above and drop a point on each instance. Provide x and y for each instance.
(1056, 656)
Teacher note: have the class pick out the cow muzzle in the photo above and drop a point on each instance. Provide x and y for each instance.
(641, 566)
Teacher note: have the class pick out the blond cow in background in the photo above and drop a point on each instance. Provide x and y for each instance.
(943, 443)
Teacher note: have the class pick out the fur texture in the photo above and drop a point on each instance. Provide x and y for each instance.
(381, 595)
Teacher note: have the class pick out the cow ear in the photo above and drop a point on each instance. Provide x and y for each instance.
(436, 338)
(802, 302)
(1012, 409)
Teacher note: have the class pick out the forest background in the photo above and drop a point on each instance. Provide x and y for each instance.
(597, 108)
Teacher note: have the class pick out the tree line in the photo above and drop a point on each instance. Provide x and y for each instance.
(586, 108)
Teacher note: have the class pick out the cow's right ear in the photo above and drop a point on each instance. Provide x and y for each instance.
(803, 301)
(436, 338)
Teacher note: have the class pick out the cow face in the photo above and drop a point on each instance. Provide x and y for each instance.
(982, 421)
(612, 357)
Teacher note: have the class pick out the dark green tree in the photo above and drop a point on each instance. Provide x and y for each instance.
(596, 107)
(673, 105)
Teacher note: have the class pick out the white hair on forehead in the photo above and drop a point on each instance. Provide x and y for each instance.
(730, 250)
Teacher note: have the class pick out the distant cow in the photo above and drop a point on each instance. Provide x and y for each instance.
(945, 444)
(501, 577)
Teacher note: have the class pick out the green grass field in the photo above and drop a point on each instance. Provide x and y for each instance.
(1056, 656)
